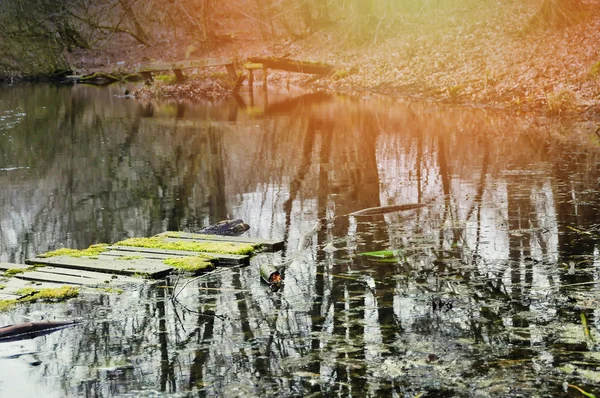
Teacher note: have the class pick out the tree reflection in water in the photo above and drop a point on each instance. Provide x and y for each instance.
(485, 295)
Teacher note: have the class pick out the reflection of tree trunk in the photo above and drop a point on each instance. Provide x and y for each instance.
(240, 299)
(167, 374)
(519, 213)
(478, 200)
(572, 243)
(309, 139)
(445, 176)
(218, 203)
(322, 197)
(202, 354)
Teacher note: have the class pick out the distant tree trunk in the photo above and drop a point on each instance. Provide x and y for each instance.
(139, 30)
(559, 13)
(366, 20)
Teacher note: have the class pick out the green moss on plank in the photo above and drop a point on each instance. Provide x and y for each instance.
(128, 258)
(48, 294)
(92, 252)
(32, 294)
(194, 264)
(14, 271)
(192, 246)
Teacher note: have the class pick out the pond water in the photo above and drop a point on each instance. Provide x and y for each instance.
(490, 290)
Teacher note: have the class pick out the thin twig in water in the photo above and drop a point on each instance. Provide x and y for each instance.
(192, 280)
(198, 312)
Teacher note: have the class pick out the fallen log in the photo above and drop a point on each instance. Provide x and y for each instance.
(30, 330)
(290, 65)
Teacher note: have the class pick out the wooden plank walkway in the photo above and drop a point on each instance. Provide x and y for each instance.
(67, 275)
(219, 260)
(149, 268)
(160, 66)
(267, 244)
(120, 264)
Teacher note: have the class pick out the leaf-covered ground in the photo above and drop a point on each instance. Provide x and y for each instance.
(492, 57)
(486, 53)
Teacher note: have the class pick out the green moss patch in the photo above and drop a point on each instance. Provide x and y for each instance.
(194, 264)
(92, 251)
(192, 246)
(49, 295)
(128, 258)
(13, 271)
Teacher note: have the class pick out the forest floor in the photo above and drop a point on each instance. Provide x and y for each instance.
(480, 56)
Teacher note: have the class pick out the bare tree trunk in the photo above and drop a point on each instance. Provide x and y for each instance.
(139, 31)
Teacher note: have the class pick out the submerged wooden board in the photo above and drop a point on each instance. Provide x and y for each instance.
(220, 259)
(146, 267)
(267, 244)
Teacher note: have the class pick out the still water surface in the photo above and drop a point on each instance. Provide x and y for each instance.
(485, 292)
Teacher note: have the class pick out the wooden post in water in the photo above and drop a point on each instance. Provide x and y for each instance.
(147, 76)
(178, 75)
(265, 73)
(250, 67)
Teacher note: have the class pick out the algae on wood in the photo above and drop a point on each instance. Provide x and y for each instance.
(161, 242)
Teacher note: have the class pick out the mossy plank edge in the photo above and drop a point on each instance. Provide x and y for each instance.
(66, 279)
(267, 244)
(149, 268)
(13, 285)
(75, 276)
(82, 273)
(221, 259)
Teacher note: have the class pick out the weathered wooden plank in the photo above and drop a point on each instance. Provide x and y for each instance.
(267, 244)
(221, 259)
(75, 276)
(66, 279)
(88, 274)
(13, 285)
(292, 65)
(146, 267)
(192, 64)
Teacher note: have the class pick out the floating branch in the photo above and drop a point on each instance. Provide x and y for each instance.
(375, 211)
